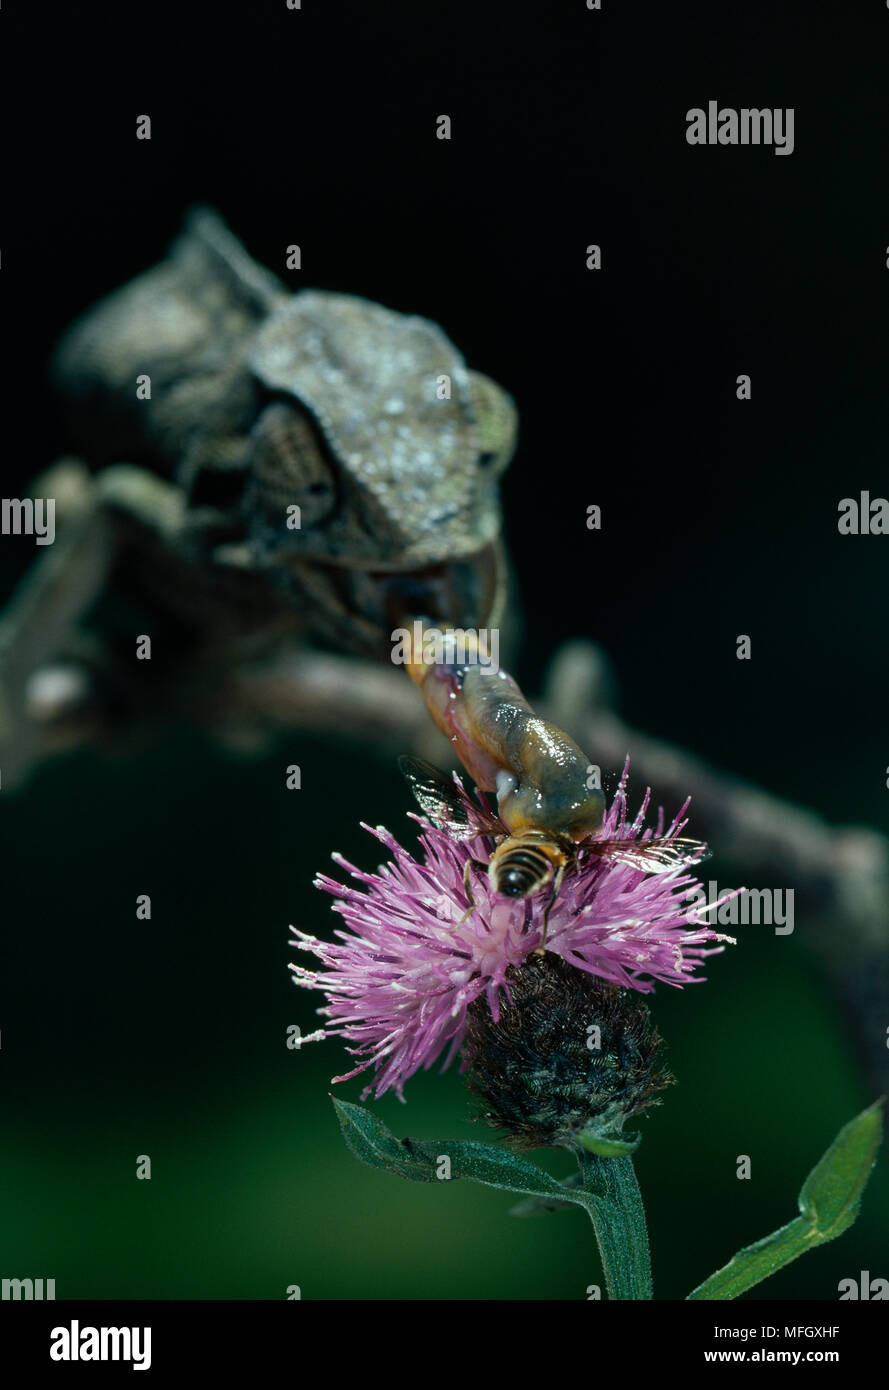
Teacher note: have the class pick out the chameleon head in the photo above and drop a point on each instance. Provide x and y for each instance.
(339, 452)
(389, 448)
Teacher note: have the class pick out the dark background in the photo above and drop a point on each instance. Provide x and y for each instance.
(318, 127)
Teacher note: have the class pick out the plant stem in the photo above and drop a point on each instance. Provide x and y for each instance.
(619, 1222)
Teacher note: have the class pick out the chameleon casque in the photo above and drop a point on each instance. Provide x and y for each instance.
(255, 465)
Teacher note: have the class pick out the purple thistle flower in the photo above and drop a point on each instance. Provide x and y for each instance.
(400, 982)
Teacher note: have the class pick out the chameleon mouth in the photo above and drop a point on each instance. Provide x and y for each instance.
(366, 605)
(455, 593)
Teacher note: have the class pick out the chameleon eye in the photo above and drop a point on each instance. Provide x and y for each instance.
(496, 423)
(288, 465)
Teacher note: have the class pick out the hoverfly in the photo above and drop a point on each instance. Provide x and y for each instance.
(547, 813)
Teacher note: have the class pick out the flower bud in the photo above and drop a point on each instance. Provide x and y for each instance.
(571, 1058)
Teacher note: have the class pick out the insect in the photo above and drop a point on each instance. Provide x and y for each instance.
(255, 463)
(548, 814)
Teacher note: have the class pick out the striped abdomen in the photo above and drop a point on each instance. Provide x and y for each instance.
(520, 868)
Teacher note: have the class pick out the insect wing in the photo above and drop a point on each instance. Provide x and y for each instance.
(439, 800)
(651, 856)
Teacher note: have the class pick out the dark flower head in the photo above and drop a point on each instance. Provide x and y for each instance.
(569, 1058)
(400, 983)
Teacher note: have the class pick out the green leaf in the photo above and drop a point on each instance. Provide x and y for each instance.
(829, 1202)
(831, 1195)
(421, 1160)
(606, 1188)
(372, 1143)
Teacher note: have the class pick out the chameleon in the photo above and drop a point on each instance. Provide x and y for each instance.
(254, 466)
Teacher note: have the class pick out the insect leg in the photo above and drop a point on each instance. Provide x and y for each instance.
(466, 884)
(557, 883)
